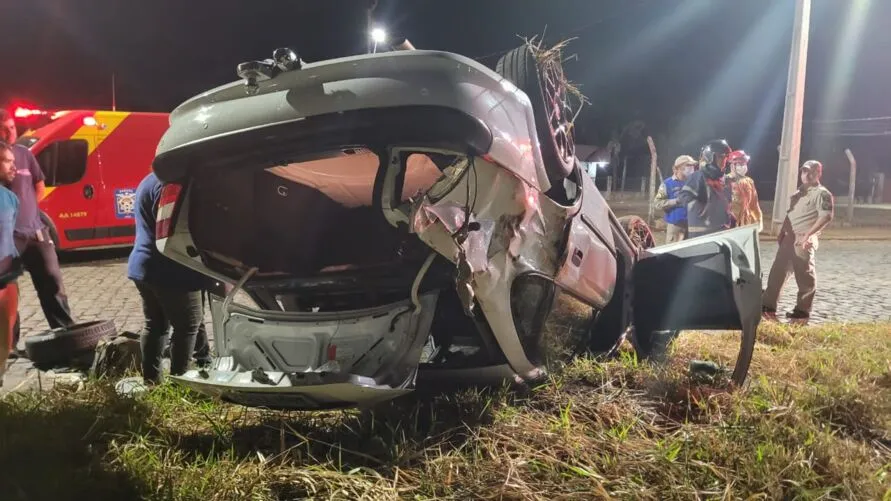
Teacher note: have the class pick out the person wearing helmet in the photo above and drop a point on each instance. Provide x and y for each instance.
(667, 199)
(811, 209)
(707, 194)
(744, 206)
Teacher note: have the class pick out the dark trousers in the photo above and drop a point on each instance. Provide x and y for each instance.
(202, 343)
(165, 308)
(40, 260)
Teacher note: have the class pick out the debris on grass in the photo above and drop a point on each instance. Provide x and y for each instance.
(814, 422)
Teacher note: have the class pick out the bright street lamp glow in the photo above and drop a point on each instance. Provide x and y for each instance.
(378, 35)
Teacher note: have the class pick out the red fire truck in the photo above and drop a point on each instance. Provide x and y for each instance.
(93, 161)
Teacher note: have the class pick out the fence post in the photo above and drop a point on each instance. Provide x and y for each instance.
(851, 185)
(609, 187)
(654, 169)
(624, 172)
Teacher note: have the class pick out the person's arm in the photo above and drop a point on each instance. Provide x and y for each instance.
(736, 199)
(785, 229)
(692, 191)
(37, 177)
(662, 202)
(756, 205)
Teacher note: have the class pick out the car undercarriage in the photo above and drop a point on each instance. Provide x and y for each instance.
(414, 215)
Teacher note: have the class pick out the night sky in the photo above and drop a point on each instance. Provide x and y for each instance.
(691, 69)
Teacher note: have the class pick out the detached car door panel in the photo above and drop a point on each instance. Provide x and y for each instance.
(710, 283)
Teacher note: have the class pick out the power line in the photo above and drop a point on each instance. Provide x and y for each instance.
(844, 120)
(854, 134)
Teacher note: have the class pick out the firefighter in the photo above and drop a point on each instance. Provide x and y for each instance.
(667, 199)
(744, 206)
(10, 265)
(707, 194)
(811, 209)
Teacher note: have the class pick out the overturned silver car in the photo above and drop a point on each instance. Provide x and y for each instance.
(414, 215)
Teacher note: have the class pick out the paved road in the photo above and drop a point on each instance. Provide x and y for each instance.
(854, 280)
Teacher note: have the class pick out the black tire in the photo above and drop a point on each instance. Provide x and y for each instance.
(64, 346)
(520, 67)
(51, 227)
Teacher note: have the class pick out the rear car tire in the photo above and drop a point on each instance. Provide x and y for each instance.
(521, 68)
(638, 231)
(68, 346)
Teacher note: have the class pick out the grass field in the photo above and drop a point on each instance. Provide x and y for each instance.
(813, 423)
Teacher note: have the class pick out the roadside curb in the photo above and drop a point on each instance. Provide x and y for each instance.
(840, 238)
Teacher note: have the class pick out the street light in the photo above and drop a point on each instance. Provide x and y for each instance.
(378, 36)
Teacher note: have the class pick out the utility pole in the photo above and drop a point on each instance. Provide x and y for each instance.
(790, 145)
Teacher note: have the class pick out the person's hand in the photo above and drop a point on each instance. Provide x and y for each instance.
(804, 241)
(808, 242)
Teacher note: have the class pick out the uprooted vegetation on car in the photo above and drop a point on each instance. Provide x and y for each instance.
(815, 422)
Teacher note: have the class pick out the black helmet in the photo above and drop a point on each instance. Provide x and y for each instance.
(715, 147)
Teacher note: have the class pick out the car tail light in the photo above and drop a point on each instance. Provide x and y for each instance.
(169, 196)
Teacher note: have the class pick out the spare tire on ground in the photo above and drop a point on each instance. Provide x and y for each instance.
(68, 346)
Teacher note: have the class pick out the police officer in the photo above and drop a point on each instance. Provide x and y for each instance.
(707, 194)
(811, 209)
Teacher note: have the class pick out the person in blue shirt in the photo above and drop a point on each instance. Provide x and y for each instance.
(10, 264)
(171, 293)
(667, 199)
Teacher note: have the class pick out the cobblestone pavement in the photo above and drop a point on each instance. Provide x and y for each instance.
(853, 281)
(854, 285)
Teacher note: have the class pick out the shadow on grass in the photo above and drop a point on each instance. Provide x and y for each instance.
(393, 435)
(52, 446)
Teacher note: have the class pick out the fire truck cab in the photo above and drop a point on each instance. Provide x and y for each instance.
(93, 161)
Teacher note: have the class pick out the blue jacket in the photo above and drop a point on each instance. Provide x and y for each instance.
(678, 214)
(9, 208)
(146, 263)
(707, 197)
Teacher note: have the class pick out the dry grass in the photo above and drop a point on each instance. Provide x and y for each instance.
(814, 423)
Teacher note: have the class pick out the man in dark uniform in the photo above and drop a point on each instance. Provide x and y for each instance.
(31, 236)
(707, 194)
(171, 293)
